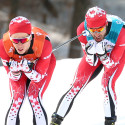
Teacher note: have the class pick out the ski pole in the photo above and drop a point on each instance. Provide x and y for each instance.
(84, 33)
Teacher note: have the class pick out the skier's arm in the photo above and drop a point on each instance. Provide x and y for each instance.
(117, 52)
(119, 48)
(5, 60)
(3, 55)
(43, 62)
(87, 47)
(82, 38)
(41, 67)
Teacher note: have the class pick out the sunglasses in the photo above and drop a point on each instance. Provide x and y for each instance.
(22, 40)
(99, 30)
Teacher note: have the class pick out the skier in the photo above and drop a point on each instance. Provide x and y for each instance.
(103, 44)
(26, 53)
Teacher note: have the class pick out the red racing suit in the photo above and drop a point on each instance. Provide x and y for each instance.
(86, 72)
(40, 50)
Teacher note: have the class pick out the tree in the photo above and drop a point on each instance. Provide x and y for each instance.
(80, 8)
(51, 9)
(14, 5)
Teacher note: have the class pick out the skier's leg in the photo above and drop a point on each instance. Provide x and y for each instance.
(17, 93)
(35, 93)
(84, 74)
(110, 100)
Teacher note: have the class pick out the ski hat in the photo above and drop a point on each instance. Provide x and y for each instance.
(95, 17)
(19, 24)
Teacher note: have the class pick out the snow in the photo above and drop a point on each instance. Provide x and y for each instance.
(87, 108)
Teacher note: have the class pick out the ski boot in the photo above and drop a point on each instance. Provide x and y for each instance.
(56, 119)
(110, 121)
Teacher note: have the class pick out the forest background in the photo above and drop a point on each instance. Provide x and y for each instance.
(59, 18)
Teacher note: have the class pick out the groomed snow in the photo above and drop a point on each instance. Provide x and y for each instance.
(87, 108)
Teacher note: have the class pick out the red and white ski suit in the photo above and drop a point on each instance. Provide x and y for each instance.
(85, 73)
(44, 65)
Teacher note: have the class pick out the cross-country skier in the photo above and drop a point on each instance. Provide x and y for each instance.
(103, 46)
(26, 53)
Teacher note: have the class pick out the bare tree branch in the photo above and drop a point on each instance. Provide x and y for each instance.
(49, 6)
(14, 4)
(80, 8)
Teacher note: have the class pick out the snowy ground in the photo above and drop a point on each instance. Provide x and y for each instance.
(87, 108)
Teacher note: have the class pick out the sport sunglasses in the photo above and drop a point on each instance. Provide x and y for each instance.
(22, 40)
(99, 30)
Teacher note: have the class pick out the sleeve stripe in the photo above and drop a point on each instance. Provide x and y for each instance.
(47, 56)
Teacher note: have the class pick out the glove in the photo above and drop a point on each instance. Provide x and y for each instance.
(14, 76)
(109, 63)
(13, 66)
(34, 76)
(92, 59)
(15, 72)
(26, 65)
(101, 50)
(90, 47)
